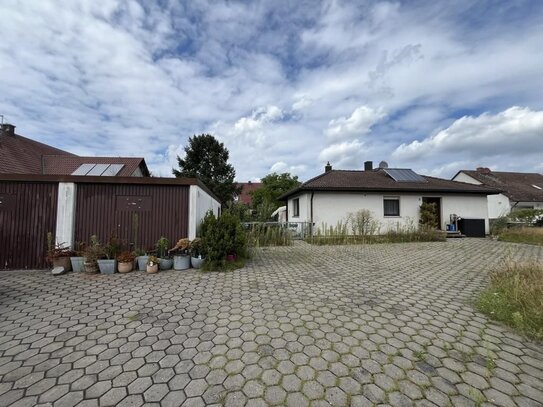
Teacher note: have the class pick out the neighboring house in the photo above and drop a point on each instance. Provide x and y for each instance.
(246, 189)
(519, 190)
(392, 195)
(21, 155)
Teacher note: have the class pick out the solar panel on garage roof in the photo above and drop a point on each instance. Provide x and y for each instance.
(112, 170)
(104, 170)
(98, 169)
(404, 175)
(83, 169)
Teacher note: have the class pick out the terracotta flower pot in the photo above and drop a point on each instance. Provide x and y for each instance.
(152, 269)
(63, 262)
(125, 267)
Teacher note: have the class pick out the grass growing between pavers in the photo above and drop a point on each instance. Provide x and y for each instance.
(515, 297)
(529, 235)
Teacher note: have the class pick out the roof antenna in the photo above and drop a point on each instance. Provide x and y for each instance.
(1, 119)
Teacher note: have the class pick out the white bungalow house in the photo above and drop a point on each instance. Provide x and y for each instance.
(520, 190)
(392, 195)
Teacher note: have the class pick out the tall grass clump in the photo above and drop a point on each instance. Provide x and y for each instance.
(408, 232)
(361, 228)
(515, 297)
(262, 234)
(524, 234)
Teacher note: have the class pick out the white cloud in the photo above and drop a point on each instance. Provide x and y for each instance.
(283, 81)
(347, 154)
(358, 124)
(516, 130)
(253, 124)
(281, 167)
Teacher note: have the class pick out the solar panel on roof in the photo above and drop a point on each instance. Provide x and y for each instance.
(83, 169)
(404, 175)
(98, 169)
(112, 170)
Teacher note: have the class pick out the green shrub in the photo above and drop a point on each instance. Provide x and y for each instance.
(428, 215)
(220, 237)
(515, 297)
(498, 225)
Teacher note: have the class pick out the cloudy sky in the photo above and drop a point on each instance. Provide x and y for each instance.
(286, 85)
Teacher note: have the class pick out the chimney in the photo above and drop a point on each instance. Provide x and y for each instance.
(327, 167)
(483, 170)
(8, 129)
(368, 165)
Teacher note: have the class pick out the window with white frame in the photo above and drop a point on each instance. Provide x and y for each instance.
(391, 206)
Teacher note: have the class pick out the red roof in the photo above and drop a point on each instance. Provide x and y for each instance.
(21, 155)
(517, 186)
(247, 187)
(378, 181)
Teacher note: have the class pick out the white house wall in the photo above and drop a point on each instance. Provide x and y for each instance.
(498, 205)
(467, 207)
(329, 208)
(200, 202)
(305, 202)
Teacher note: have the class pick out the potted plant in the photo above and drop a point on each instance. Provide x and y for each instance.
(125, 262)
(77, 259)
(107, 264)
(58, 254)
(152, 264)
(141, 259)
(181, 258)
(92, 252)
(165, 261)
(196, 253)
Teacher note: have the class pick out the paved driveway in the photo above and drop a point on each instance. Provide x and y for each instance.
(319, 326)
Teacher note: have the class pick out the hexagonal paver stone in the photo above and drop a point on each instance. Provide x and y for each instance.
(155, 393)
(139, 385)
(397, 399)
(113, 396)
(313, 390)
(373, 393)
(196, 388)
(134, 400)
(271, 377)
(173, 399)
(54, 393)
(98, 389)
(70, 399)
(275, 395)
(291, 383)
(253, 389)
(235, 399)
(297, 400)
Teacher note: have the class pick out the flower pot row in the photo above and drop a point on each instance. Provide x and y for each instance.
(98, 258)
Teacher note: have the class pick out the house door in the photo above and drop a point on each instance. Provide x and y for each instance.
(437, 203)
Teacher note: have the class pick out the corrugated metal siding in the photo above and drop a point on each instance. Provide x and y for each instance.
(26, 216)
(97, 212)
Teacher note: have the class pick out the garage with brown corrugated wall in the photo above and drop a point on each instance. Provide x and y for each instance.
(28, 211)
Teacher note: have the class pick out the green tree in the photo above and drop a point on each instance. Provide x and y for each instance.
(207, 159)
(265, 199)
